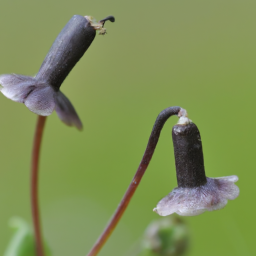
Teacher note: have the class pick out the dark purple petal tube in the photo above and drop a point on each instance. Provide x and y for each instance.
(188, 154)
(70, 45)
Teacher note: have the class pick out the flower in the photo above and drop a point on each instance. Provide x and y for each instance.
(195, 193)
(41, 94)
(211, 196)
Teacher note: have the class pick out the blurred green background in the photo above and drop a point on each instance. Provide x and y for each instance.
(199, 55)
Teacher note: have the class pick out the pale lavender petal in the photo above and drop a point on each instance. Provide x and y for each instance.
(213, 195)
(41, 100)
(17, 87)
(225, 186)
(66, 111)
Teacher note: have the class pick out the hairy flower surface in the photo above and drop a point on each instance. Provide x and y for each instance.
(213, 195)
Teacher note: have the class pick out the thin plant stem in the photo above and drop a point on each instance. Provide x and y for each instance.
(153, 139)
(34, 185)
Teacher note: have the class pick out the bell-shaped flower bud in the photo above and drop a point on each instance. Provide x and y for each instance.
(195, 193)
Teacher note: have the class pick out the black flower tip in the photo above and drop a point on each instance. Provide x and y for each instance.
(110, 18)
(100, 25)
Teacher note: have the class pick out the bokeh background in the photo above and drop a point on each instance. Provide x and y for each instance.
(200, 55)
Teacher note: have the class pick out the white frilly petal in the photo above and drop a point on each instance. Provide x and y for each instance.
(213, 195)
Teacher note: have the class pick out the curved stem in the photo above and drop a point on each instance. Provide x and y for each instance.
(34, 185)
(153, 139)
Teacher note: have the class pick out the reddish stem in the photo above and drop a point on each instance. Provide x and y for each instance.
(34, 184)
(153, 139)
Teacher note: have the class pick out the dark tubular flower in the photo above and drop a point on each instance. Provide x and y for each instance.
(41, 93)
(195, 193)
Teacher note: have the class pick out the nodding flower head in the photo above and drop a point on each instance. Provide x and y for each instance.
(195, 193)
(41, 94)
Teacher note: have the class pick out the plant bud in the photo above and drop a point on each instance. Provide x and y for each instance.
(166, 237)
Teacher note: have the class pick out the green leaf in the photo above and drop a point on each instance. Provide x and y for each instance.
(22, 242)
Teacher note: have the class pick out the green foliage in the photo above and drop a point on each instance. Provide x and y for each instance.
(22, 242)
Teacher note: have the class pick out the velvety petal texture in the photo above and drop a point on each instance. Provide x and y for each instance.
(66, 111)
(38, 96)
(16, 87)
(41, 100)
(213, 195)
